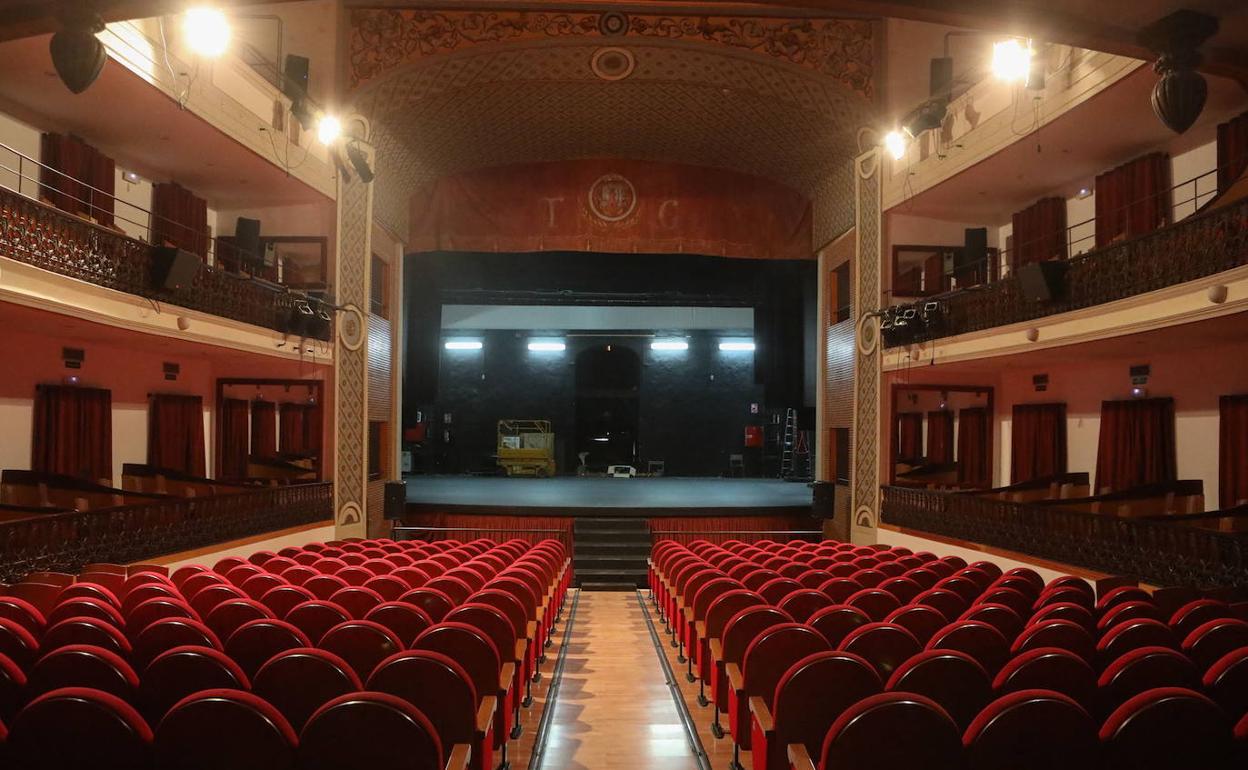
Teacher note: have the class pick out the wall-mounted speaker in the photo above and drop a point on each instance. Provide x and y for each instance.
(1042, 281)
(295, 76)
(173, 268)
(247, 241)
(974, 253)
(396, 500)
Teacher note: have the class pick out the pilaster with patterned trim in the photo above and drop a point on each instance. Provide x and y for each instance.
(355, 218)
(865, 470)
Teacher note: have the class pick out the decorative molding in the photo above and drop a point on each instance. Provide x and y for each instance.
(355, 228)
(383, 39)
(865, 462)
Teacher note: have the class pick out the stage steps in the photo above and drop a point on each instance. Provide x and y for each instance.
(610, 554)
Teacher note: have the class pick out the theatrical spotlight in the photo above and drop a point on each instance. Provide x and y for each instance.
(359, 161)
(928, 115)
(76, 53)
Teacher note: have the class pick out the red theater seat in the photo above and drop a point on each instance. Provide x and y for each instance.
(22, 613)
(361, 643)
(85, 631)
(184, 671)
(282, 599)
(298, 682)
(315, 618)
(1063, 634)
(884, 645)
(87, 607)
(918, 619)
(1048, 668)
(1194, 614)
(154, 609)
(81, 665)
(999, 616)
(1169, 728)
(405, 621)
(1140, 670)
(216, 729)
(813, 693)
(12, 689)
(256, 641)
(1032, 730)
(106, 732)
(436, 603)
(892, 731)
(371, 731)
(1226, 682)
(981, 641)
(1210, 641)
(954, 680)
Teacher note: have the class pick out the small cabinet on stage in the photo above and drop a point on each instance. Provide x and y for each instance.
(753, 437)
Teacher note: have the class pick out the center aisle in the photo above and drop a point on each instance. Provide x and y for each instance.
(614, 708)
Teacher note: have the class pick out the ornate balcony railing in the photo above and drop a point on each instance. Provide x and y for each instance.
(63, 542)
(1201, 245)
(1160, 552)
(48, 238)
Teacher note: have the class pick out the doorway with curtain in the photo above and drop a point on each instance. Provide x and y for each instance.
(608, 407)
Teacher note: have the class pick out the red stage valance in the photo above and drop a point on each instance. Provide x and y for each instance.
(617, 206)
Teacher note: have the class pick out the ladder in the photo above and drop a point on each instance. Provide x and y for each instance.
(789, 443)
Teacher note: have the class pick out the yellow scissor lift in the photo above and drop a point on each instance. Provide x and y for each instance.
(526, 448)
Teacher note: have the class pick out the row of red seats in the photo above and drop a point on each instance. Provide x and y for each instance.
(452, 641)
(966, 637)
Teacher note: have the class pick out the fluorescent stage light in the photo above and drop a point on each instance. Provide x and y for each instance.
(736, 346)
(547, 346)
(463, 345)
(669, 345)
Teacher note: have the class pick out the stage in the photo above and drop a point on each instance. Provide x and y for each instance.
(603, 497)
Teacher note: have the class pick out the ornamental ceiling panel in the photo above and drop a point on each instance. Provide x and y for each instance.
(544, 100)
(384, 39)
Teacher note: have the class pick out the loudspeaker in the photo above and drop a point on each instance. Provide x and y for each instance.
(974, 251)
(173, 268)
(941, 83)
(247, 237)
(1042, 281)
(295, 80)
(396, 500)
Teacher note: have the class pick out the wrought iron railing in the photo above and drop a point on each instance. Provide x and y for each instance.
(63, 542)
(1201, 245)
(1159, 552)
(51, 239)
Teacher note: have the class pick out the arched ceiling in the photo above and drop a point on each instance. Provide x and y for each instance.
(779, 102)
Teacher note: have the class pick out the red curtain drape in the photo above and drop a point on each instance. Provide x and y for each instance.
(73, 432)
(910, 435)
(235, 424)
(1232, 151)
(175, 433)
(934, 274)
(293, 428)
(939, 437)
(77, 178)
(263, 428)
(1037, 441)
(974, 460)
(1136, 444)
(1232, 451)
(1133, 199)
(179, 218)
(1040, 232)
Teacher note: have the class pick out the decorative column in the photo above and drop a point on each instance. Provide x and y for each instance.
(865, 470)
(351, 286)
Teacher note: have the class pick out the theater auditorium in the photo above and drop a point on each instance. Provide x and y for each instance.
(648, 385)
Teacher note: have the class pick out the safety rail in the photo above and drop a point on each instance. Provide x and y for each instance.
(41, 235)
(686, 536)
(64, 541)
(563, 534)
(1160, 551)
(1204, 244)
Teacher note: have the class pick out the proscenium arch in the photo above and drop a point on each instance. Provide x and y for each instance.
(691, 102)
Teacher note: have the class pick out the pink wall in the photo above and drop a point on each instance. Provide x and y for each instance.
(130, 365)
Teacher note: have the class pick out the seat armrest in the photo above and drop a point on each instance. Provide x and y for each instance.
(799, 758)
(506, 676)
(763, 714)
(530, 630)
(717, 650)
(735, 680)
(458, 759)
(700, 628)
(485, 714)
(688, 613)
(522, 647)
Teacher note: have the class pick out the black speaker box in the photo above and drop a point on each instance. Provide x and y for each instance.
(247, 240)
(173, 268)
(1042, 281)
(974, 252)
(396, 500)
(295, 82)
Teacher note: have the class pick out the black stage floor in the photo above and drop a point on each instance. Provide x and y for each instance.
(596, 496)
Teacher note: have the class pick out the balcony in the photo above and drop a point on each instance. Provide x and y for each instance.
(1205, 244)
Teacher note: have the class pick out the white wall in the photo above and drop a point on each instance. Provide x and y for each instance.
(23, 139)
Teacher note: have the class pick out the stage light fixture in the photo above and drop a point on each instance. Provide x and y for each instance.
(328, 129)
(895, 143)
(76, 53)
(737, 346)
(1011, 60)
(669, 345)
(547, 346)
(463, 345)
(207, 31)
(359, 161)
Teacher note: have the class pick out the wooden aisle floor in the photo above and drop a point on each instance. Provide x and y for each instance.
(613, 708)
